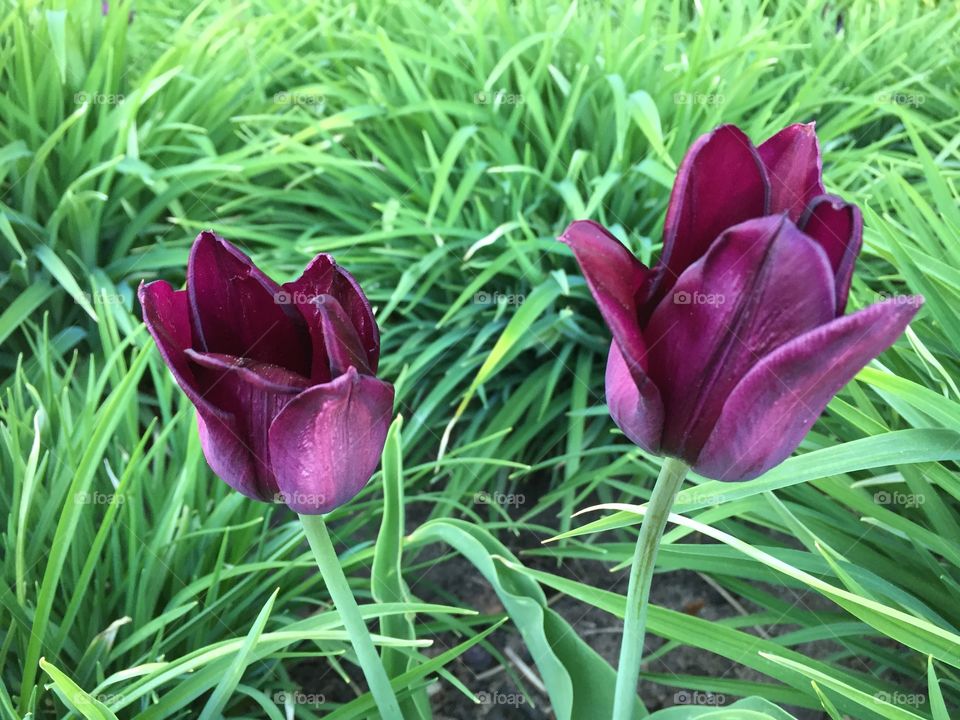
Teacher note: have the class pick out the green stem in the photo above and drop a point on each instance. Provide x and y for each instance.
(326, 557)
(664, 493)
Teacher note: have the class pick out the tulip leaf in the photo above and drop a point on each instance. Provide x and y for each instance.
(712, 636)
(21, 309)
(481, 280)
(620, 114)
(89, 566)
(362, 706)
(43, 152)
(56, 267)
(643, 109)
(87, 705)
(746, 709)
(441, 182)
(920, 634)
(107, 419)
(893, 448)
(231, 678)
(514, 336)
(878, 702)
(937, 705)
(828, 706)
(938, 407)
(386, 577)
(579, 681)
(200, 671)
(56, 29)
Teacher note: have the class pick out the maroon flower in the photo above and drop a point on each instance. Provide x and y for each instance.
(727, 351)
(283, 376)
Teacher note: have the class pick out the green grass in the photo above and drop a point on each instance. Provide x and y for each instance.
(437, 150)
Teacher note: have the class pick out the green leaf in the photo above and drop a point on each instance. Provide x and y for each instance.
(746, 709)
(899, 447)
(228, 683)
(74, 697)
(386, 577)
(579, 681)
(56, 267)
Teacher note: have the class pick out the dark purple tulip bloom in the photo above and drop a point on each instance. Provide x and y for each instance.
(726, 352)
(283, 376)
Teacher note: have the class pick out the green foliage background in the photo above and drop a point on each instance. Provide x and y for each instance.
(437, 150)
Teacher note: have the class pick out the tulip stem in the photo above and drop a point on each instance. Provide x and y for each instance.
(672, 473)
(329, 564)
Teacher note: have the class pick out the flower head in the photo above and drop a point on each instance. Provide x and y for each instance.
(283, 377)
(726, 352)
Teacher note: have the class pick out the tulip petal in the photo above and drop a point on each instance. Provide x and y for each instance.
(343, 345)
(793, 164)
(638, 415)
(270, 378)
(324, 277)
(762, 283)
(166, 313)
(229, 457)
(838, 227)
(348, 293)
(326, 444)
(721, 182)
(253, 393)
(614, 277)
(234, 309)
(778, 401)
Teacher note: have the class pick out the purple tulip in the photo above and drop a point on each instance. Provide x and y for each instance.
(283, 377)
(727, 351)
